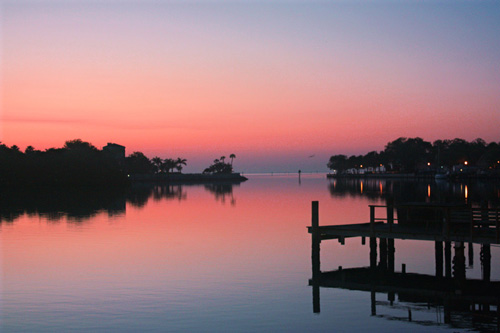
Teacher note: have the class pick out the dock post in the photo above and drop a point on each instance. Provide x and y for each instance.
(438, 248)
(316, 301)
(390, 213)
(447, 259)
(471, 254)
(372, 220)
(373, 253)
(315, 255)
(383, 253)
(459, 261)
(316, 240)
(391, 249)
(373, 302)
(486, 261)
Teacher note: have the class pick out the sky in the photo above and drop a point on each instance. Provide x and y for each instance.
(283, 85)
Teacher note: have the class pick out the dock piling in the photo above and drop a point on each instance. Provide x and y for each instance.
(315, 255)
(372, 219)
(390, 213)
(438, 248)
(447, 259)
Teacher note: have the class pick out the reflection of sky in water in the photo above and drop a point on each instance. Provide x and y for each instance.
(196, 262)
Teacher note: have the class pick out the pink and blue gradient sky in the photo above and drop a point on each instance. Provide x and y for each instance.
(272, 83)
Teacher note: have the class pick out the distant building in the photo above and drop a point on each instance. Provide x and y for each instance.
(115, 150)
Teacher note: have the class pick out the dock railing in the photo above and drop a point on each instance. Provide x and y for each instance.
(451, 218)
(389, 216)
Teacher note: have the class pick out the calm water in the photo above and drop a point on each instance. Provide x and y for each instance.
(209, 258)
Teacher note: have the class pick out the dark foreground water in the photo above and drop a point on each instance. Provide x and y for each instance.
(214, 258)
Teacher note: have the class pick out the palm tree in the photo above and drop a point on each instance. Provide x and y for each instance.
(169, 164)
(222, 158)
(232, 157)
(179, 163)
(158, 162)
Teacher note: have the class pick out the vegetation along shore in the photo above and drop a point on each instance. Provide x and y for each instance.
(416, 158)
(79, 163)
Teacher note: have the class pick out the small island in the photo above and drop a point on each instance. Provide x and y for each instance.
(79, 163)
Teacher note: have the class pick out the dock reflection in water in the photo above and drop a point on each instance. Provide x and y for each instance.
(458, 301)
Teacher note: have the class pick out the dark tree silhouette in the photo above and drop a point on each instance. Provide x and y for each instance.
(179, 163)
(138, 163)
(169, 164)
(415, 155)
(219, 167)
(158, 163)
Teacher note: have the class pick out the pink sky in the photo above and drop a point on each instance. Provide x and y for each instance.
(273, 84)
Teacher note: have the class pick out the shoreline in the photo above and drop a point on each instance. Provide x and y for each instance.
(188, 178)
(412, 176)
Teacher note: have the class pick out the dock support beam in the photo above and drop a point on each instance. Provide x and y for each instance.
(373, 302)
(459, 261)
(315, 255)
(486, 261)
(373, 253)
(372, 220)
(447, 259)
(390, 213)
(390, 254)
(438, 246)
(471, 254)
(383, 253)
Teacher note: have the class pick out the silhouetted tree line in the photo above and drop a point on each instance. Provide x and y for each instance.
(80, 163)
(220, 166)
(138, 163)
(77, 163)
(415, 154)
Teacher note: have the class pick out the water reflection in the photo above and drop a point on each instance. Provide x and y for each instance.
(456, 301)
(401, 190)
(139, 194)
(54, 204)
(181, 259)
(222, 191)
(84, 203)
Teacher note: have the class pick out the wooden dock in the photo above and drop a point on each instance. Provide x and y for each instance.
(444, 225)
(447, 223)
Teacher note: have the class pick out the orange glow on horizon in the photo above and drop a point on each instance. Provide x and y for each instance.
(186, 86)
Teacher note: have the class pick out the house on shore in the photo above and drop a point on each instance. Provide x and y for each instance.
(116, 151)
